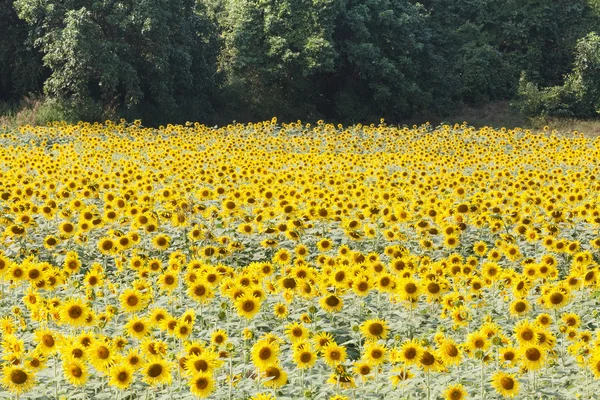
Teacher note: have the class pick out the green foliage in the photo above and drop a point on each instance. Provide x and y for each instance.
(21, 69)
(578, 97)
(107, 55)
(340, 60)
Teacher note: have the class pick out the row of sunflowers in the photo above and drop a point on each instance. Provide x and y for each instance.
(295, 261)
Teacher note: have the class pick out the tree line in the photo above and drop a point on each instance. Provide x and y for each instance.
(339, 60)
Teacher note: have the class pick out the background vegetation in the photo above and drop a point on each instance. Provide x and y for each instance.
(343, 61)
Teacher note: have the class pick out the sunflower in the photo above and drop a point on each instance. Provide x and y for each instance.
(156, 371)
(101, 355)
(331, 303)
(107, 246)
(408, 289)
(134, 359)
(204, 362)
(374, 329)
(74, 312)
(47, 342)
(200, 292)
(265, 354)
(430, 361)
(275, 377)
(410, 352)
(455, 392)
(76, 372)
(137, 327)
(17, 379)
(168, 281)
(280, 310)
(519, 307)
(132, 300)
(363, 369)
(450, 352)
(247, 305)
(400, 375)
(202, 384)
(161, 242)
(218, 337)
(297, 332)
(594, 363)
(121, 376)
(532, 357)
(505, 384)
(333, 354)
(375, 353)
(304, 357)
(322, 339)
(508, 355)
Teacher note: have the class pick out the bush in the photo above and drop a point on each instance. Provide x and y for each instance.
(578, 97)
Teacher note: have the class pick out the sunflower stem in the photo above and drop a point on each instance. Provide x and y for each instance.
(428, 385)
(481, 380)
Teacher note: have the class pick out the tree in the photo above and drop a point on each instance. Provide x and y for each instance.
(21, 69)
(153, 55)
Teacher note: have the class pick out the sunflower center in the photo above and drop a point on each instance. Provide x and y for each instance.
(201, 365)
(507, 383)
(264, 353)
(201, 383)
(75, 312)
(427, 359)
(410, 288)
(433, 288)
(155, 370)
(103, 353)
(248, 305)
(132, 300)
(138, 327)
(376, 329)
(76, 372)
(411, 353)
(452, 351)
(273, 372)
(305, 357)
(556, 298)
(123, 376)
(533, 354)
(18, 377)
(332, 301)
(520, 307)
(48, 340)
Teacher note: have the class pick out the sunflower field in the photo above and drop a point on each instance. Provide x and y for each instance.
(295, 261)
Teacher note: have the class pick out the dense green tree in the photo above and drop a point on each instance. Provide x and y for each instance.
(125, 55)
(579, 96)
(21, 69)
